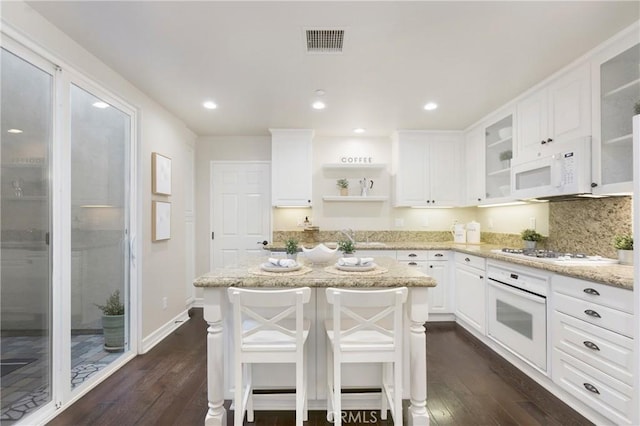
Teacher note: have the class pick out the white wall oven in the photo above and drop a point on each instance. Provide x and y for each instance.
(517, 312)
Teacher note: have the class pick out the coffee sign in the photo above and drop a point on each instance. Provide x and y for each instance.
(356, 160)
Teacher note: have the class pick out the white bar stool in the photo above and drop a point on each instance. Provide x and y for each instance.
(278, 338)
(366, 328)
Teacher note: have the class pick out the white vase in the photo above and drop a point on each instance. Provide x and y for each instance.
(625, 257)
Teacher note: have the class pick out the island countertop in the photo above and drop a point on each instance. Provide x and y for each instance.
(397, 275)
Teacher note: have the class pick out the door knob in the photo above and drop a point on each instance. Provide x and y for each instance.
(264, 243)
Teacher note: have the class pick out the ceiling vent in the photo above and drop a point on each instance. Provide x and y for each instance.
(324, 40)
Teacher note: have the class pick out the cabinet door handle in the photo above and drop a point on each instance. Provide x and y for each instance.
(439, 255)
(592, 313)
(591, 388)
(591, 345)
(591, 291)
(466, 259)
(413, 264)
(549, 140)
(481, 276)
(413, 255)
(593, 184)
(430, 266)
(543, 142)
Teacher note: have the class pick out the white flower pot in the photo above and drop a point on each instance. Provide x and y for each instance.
(529, 244)
(625, 257)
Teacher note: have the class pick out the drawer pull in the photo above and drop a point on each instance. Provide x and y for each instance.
(591, 388)
(514, 276)
(413, 264)
(592, 313)
(591, 291)
(413, 255)
(466, 259)
(438, 255)
(591, 345)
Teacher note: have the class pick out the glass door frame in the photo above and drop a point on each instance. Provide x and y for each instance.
(60, 219)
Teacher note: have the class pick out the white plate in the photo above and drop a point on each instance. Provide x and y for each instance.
(269, 267)
(365, 268)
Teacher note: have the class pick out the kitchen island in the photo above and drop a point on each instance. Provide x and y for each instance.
(391, 274)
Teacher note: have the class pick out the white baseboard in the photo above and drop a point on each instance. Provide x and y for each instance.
(157, 336)
(198, 302)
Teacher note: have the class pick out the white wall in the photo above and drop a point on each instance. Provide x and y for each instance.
(219, 148)
(163, 263)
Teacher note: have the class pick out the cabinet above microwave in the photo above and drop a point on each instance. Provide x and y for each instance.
(564, 171)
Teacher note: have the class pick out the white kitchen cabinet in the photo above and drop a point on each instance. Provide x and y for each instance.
(558, 112)
(498, 147)
(426, 166)
(616, 85)
(434, 263)
(592, 355)
(291, 167)
(474, 166)
(470, 291)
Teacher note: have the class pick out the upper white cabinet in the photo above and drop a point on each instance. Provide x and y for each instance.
(291, 167)
(616, 88)
(559, 111)
(498, 146)
(426, 166)
(474, 166)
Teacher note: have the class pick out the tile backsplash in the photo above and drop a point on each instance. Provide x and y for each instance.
(589, 225)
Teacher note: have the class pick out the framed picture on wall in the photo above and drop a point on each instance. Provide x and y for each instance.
(161, 220)
(160, 174)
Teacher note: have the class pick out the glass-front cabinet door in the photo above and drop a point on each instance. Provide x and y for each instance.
(498, 154)
(616, 74)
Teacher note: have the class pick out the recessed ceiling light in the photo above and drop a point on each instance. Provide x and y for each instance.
(358, 130)
(16, 131)
(210, 105)
(100, 104)
(318, 105)
(431, 106)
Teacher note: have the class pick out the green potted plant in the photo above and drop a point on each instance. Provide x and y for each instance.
(624, 244)
(347, 247)
(113, 322)
(505, 158)
(343, 184)
(530, 237)
(636, 108)
(291, 248)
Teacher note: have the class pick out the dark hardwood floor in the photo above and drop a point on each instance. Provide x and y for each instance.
(467, 385)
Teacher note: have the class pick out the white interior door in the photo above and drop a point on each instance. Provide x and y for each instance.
(240, 211)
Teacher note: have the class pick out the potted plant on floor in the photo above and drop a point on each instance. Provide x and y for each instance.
(624, 245)
(347, 247)
(291, 248)
(343, 184)
(113, 323)
(530, 237)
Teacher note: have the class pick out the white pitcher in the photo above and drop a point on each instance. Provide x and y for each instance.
(459, 233)
(365, 186)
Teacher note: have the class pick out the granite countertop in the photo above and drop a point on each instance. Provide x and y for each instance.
(613, 275)
(398, 275)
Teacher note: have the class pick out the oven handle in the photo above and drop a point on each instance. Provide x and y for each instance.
(519, 293)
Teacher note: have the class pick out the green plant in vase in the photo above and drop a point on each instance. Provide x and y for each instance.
(347, 247)
(624, 244)
(343, 184)
(530, 237)
(113, 322)
(291, 247)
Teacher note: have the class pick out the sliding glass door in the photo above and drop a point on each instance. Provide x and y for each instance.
(25, 253)
(100, 142)
(65, 227)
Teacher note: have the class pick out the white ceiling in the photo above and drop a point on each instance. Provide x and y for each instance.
(469, 57)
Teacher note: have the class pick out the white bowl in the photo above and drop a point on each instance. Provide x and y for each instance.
(505, 132)
(320, 253)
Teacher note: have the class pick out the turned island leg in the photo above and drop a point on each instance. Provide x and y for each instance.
(216, 413)
(418, 314)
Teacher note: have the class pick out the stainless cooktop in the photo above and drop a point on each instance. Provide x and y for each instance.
(556, 257)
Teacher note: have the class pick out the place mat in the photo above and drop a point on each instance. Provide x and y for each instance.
(378, 271)
(255, 270)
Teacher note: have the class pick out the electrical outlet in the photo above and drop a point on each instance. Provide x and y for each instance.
(164, 303)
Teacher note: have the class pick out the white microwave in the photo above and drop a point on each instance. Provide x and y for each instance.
(564, 170)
